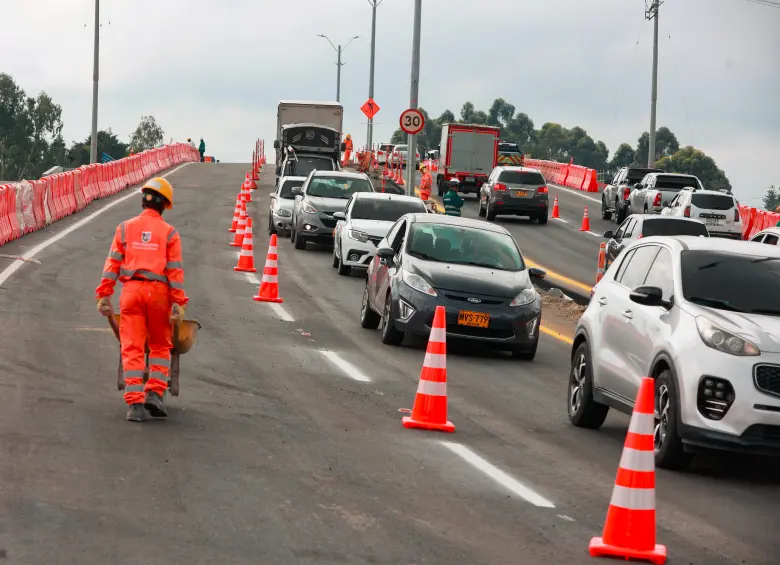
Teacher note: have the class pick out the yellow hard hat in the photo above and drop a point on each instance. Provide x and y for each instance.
(349, 136)
(161, 187)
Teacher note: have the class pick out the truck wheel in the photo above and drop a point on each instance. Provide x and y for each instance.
(542, 219)
(606, 213)
(620, 213)
(440, 185)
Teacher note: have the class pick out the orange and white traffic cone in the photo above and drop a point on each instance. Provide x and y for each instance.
(244, 193)
(600, 267)
(585, 221)
(629, 531)
(250, 182)
(236, 215)
(430, 404)
(246, 259)
(269, 286)
(555, 213)
(238, 240)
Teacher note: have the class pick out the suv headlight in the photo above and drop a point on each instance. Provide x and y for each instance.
(418, 283)
(360, 236)
(717, 338)
(308, 208)
(527, 296)
(282, 213)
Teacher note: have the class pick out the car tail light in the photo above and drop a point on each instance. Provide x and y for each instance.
(687, 211)
(542, 189)
(500, 187)
(657, 200)
(626, 193)
(715, 397)
(736, 214)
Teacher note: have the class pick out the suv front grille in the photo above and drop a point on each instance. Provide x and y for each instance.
(767, 379)
(328, 221)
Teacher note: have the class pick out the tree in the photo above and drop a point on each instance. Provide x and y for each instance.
(29, 131)
(108, 143)
(623, 157)
(691, 161)
(666, 145)
(147, 135)
(771, 199)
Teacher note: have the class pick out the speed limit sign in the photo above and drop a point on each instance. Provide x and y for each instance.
(412, 121)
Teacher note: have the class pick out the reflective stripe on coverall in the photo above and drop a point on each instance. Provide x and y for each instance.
(425, 186)
(146, 257)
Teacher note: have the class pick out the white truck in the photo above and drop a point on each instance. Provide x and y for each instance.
(328, 114)
(467, 152)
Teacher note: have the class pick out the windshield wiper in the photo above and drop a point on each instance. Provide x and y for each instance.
(714, 303)
(474, 264)
(423, 256)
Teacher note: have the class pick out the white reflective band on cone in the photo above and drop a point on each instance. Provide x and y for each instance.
(271, 263)
(636, 460)
(272, 251)
(641, 424)
(633, 498)
(270, 279)
(432, 388)
(438, 335)
(435, 361)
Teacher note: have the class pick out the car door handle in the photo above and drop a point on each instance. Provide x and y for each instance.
(603, 301)
(628, 314)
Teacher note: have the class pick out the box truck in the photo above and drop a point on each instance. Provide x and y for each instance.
(468, 152)
(328, 114)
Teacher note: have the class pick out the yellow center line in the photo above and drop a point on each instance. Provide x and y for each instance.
(565, 339)
(559, 277)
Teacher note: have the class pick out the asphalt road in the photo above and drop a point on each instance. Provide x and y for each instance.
(286, 444)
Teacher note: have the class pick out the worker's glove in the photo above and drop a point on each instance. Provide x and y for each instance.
(177, 314)
(104, 306)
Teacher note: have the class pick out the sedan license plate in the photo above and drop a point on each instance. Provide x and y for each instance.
(712, 222)
(473, 319)
(520, 193)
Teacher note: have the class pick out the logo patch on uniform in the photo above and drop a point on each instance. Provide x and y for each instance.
(146, 236)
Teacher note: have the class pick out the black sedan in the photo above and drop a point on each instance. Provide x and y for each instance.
(472, 268)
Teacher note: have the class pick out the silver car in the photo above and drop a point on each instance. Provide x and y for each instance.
(701, 317)
(403, 151)
(657, 190)
(282, 201)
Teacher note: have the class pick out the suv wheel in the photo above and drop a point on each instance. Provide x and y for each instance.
(390, 335)
(620, 213)
(669, 451)
(490, 213)
(481, 208)
(606, 213)
(368, 318)
(271, 228)
(335, 262)
(542, 219)
(584, 412)
(343, 269)
(298, 241)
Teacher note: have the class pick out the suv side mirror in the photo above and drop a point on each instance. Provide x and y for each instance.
(649, 296)
(535, 273)
(637, 185)
(296, 190)
(272, 195)
(609, 234)
(385, 254)
(277, 145)
(339, 215)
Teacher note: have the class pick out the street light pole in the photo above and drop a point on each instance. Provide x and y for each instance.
(339, 50)
(370, 125)
(411, 150)
(95, 78)
(652, 13)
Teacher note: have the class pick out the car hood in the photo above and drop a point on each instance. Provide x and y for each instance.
(327, 205)
(762, 330)
(465, 278)
(372, 227)
(283, 204)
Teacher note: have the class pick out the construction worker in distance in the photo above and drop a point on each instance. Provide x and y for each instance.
(426, 182)
(202, 149)
(146, 257)
(452, 200)
(347, 150)
(191, 143)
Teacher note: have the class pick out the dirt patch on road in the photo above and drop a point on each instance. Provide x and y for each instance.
(561, 304)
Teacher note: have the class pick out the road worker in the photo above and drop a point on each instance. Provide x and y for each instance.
(146, 257)
(347, 149)
(452, 200)
(425, 183)
(202, 149)
(191, 143)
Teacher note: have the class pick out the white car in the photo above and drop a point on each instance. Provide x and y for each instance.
(364, 222)
(718, 210)
(699, 316)
(384, 152)
(657, 191)
(282, 203)
(769, 236)
(401, 151)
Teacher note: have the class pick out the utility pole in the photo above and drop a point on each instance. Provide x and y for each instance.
(370, 125)
(339, 50)
(652, 14)
(413, 94)
(93, 149)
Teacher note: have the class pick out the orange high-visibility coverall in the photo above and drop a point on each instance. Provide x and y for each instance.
(425, 186)
(146, 257)
(348, 151)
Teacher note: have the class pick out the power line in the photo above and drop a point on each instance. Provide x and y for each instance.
(769, 3)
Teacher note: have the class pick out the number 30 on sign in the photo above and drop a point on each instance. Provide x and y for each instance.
(412, 121)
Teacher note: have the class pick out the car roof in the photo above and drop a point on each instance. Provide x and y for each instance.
(456, 221)
(386, 196)
(654, 217)
(520, 169)
(713, 192)
(695, 243)
(774, 229)
(675, 175)
(340, 174)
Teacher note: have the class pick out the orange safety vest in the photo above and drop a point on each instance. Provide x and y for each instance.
(425, 183)
(349, 144)
(147, 248)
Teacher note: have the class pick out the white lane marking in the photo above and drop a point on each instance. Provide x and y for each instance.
(16, 265)
(278, 308)
(577, 193)
(498, 475)
(595, 234)
(561, 220)
(348, 368)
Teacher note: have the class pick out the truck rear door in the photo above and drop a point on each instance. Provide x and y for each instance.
(472, 152)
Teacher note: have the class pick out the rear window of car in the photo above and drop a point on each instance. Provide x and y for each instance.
(286, 191)
(521, 177)
(383, 210)
(386, 147)
(670, 183)
(637, 175)
(400, 147)
(664, 226)
(713, 201)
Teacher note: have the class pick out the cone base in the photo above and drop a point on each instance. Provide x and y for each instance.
(410, 423)
(264, 299)
(598, 548)
(245, 270)
(584, 228)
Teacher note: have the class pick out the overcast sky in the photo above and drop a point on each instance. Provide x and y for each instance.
(218, 69)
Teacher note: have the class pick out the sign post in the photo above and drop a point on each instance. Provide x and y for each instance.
(412, 122)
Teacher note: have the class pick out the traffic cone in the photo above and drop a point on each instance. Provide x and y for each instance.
(251, 184)
(555, 213)
(430, 404)
(246, 259)
(244, 193)
(236, 215)
(238, 240)
(585, 221)
(269, 287)
(601, 262)
(629, 531)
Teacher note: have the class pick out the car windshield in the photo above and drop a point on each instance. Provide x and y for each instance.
(521, 177)
(384, 210)
(669, 226)
(508, 148)
(668, 183)
(338, 187)
(730, 281)
(713, 201)
(400, 147)
(461, 245)
(305, 165)
(636, 175)
(286, 190)
(385, 147)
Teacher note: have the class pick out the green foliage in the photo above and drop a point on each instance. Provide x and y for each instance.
(623, 157)
(108, 143)
(771, 199)
(666, 145)
(30, 132)
(147, 135)
(691, 161)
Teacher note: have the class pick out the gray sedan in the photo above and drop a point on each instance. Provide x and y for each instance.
(282, 202)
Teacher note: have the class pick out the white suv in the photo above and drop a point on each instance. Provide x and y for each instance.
(718, 210)
(700, 316)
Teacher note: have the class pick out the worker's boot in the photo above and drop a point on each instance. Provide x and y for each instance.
(154, 404)
(136, 413)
